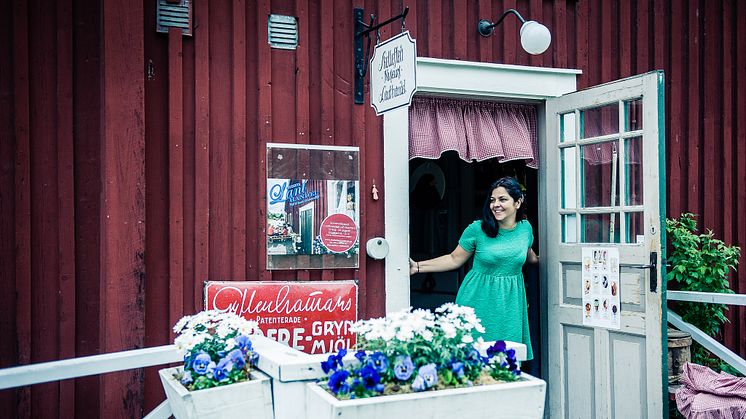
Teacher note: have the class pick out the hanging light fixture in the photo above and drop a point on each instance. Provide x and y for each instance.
(535, 37)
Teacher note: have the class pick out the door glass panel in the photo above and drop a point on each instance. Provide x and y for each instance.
(635, 228)
(569, 175)
(596, 122)
(633, 171)
(569, 228)
(633, 114)
(599, 228)
(600, 176)
(567, 127)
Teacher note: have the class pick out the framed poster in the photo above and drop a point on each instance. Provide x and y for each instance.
(313, 207)
(310, 316)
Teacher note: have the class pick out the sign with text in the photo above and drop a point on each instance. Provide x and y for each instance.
(393, 73)
(313, 317)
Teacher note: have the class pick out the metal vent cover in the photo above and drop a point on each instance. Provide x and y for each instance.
(283, 32)
(174, 14)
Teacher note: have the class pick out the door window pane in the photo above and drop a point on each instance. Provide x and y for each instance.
(569, 188)
(569, 228)
(596, 122)
(633, 114)
(633, 171)
(599, 228)
(635, 228)
(600, 176)
(567, 127)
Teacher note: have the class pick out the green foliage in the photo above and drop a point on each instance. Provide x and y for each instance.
(700, 262)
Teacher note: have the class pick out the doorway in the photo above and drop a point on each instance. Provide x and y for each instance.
(446, 195)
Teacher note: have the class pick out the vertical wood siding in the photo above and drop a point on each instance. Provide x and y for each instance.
(132, 163)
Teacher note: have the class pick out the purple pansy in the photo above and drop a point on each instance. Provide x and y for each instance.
(403, 367)
(371, 378)
(201, 363)
(186, 378)
(337, 381)
(237, 358)
(379, 361)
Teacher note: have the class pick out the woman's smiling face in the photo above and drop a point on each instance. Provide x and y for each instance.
(503, 207)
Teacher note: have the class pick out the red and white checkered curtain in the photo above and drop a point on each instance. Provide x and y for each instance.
(476, 130)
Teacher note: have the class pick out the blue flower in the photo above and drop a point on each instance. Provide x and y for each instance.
(429, 374)
(186, 378)
(458, 369)
(360, 355)
(220, 371)
(237, 358)
(403, 367)
(337, 381)
(419, 384)
(379, 361)
(244, 343)
(370, 377)
(496, 348)
(333, 361)
(201, 363)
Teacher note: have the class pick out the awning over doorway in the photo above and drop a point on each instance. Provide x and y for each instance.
(476, 130)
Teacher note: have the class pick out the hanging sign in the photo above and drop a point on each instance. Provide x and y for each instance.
(393, 73)
(601, 287)
(313, 317)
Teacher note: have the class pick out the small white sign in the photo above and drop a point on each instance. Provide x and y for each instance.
(601, 287)
(393, 73)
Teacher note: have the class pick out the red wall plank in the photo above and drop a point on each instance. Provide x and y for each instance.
(123, 208)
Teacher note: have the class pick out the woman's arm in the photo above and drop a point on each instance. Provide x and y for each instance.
(448, 262)
(531, 257)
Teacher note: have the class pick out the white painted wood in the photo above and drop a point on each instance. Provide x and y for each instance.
(596, 372)
(709, 343)
(247, 399)
(524, 399)
(454, 79)
(88, 365)
(162, 411)
(707, 297)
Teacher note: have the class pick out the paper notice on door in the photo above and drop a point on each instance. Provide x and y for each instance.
(600, 287)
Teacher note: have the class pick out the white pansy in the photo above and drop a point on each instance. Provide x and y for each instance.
(467, 339)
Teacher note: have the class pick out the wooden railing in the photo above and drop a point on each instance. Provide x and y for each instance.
(701, 337)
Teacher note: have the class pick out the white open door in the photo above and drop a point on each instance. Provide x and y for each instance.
(604, 186)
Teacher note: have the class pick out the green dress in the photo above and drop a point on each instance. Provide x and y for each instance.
(494, 287)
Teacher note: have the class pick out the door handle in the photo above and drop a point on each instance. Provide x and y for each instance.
(653, 266)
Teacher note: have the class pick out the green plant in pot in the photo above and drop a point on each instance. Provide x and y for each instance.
(700, 262)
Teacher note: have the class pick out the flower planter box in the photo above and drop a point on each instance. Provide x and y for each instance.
(247, 399)
(521, 399)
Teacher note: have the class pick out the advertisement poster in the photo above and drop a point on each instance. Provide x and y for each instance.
(601, 287)
(313, 207)
(313, 317)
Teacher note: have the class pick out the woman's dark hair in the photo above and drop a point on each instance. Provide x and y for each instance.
(511, 185)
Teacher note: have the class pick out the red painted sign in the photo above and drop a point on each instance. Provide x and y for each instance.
(338, 233)
(313, 317)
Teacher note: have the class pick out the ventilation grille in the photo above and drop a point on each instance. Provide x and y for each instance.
(283, 32)
(175, 14)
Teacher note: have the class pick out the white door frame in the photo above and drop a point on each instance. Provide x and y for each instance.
(451, 78)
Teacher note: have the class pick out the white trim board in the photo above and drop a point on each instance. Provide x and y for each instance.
(450, 78)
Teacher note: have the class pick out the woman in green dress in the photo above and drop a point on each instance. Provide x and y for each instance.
(501, 243)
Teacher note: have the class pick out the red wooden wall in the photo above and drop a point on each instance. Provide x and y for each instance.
(132, 163)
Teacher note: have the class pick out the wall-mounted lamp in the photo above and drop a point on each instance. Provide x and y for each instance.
(535, 37)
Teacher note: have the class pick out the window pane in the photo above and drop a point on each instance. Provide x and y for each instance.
(567, 127)
(569, 192)
(633, 170)
(633, 114)
(600, 176)
(600, 121)
(599, 228)
(569, 230)
(635, 228)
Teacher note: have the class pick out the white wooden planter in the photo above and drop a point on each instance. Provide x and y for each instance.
(247, 399)
(522, 399)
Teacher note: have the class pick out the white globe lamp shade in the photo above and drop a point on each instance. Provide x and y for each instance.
(535, 37)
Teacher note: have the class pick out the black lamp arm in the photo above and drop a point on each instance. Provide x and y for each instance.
(370, 28)
(485, 27)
